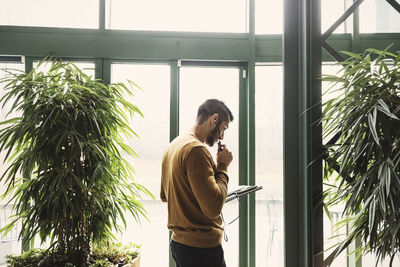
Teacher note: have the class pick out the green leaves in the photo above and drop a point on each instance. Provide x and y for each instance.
(366, 154)
(372, 125)
(385, 109)
(68, 139)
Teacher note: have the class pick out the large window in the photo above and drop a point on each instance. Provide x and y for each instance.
(153, 131)
(269, 166)
(9, 243)
(178, 15)
(50, 13)
(198, 84)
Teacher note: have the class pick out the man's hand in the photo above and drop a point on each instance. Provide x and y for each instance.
(224, 157)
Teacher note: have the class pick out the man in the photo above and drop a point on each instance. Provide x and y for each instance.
(195, 188)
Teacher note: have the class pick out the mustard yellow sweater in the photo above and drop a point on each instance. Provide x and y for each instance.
(195, 190)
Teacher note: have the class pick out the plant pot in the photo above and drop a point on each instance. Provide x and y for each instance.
(134, 263)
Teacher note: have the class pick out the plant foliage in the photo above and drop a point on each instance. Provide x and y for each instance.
(115, 253)
(103, 255)
(365, 151)
(68, 142)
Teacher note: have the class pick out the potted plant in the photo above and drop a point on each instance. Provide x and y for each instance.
(365, 151)
(68, 144)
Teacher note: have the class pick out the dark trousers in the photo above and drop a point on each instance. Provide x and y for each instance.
(187, 256)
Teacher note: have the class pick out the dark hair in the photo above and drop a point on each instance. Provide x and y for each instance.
(211, 106)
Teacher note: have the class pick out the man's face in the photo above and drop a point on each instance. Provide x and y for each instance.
(213, 136)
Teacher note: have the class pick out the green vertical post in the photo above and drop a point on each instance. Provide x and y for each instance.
(102, 14)
(98, 69)
(302, 136)
(305, 185)
(355, 37)
(291, 142)
(312, 88)
(251, 133)
(174, 101)
(252, 165)
(247, 247)
(244, 203)
(28, 64)
(27, 244)
(174, 119)
(352, 260)
(106, 71)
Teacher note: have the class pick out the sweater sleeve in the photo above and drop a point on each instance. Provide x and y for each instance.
(164, 182)
(162, 194)
(209, 188)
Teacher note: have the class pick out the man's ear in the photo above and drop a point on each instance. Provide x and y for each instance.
(214, 119)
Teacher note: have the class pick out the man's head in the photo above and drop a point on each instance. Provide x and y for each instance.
(217, 115)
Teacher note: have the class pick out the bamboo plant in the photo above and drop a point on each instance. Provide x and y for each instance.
(364, 151)
(68, 142)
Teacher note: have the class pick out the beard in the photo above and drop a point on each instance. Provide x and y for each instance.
(212, 137)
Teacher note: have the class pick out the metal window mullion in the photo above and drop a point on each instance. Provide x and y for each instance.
(352, 260)
(28, 64)
(305, 186)
(212, 64)
(250, 106)
(243, 157)
(106, 71)
(102, 14)
(251, 162)
(303, 229)
(174, 101)
(315, 174)
(355, 40)
(174, 121)
(98, 69)
(291, 150)
(27, 174)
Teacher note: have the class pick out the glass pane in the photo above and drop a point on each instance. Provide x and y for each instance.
(197, 85)
(50, 13)
(87, 67)
(153, 131)
(4, 110)
(378, 16)
(369, 260)
(178, 15)
(269, 166)
(331, 10)
(9, 243)
(269, 16)
(332, 235)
